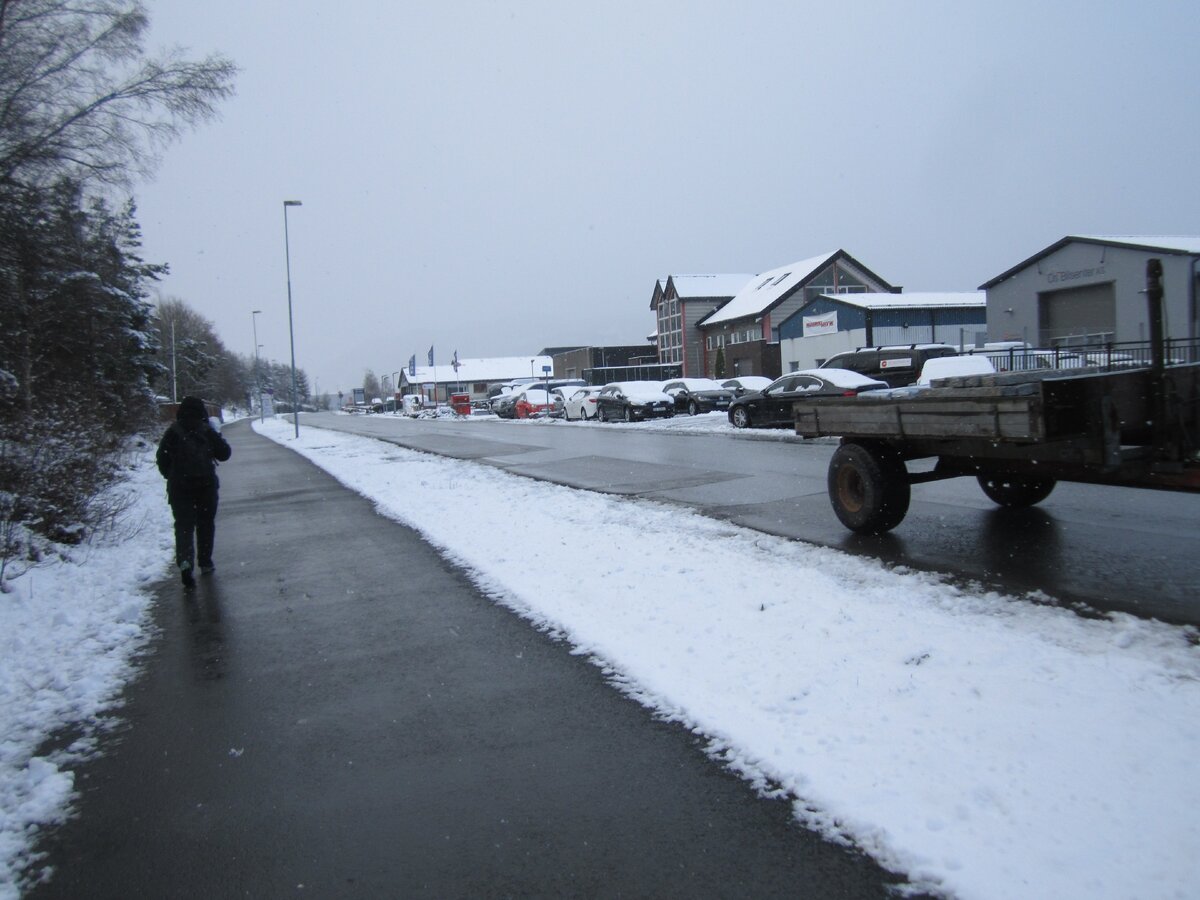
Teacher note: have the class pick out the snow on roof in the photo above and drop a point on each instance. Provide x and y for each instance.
(1176, 242)
(494, 369)
(914, 300)
(760, 292)
(709, 285)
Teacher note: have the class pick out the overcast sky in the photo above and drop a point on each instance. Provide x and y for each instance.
(499, 177)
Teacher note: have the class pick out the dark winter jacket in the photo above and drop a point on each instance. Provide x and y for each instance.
(191, 448)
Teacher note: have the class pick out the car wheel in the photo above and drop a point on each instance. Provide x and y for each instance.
(739, 418)
(693, 409)
(601, 414)
(629, 414)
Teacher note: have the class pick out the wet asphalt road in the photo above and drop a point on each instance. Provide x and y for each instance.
(338, 712)
(1111, 548)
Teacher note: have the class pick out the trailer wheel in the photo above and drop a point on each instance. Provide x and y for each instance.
(1016, 492)
(868, 487)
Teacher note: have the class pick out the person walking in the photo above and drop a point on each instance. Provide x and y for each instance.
(187, 457)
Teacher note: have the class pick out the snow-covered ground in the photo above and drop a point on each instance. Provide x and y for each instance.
(69, 633)
(986, 745)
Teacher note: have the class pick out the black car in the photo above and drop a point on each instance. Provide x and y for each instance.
(772, 406)
(632, 401)
(897, 365)
(697, 395)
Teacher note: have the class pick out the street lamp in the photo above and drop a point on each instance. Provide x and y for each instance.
(257, 378)
(291, 333)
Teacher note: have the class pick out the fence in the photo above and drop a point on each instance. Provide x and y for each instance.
(1109, 355)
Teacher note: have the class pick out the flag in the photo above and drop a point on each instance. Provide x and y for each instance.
(454, 364)
(412, 366)
(431, 354)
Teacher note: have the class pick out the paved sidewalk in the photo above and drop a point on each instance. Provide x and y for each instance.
(339, 712)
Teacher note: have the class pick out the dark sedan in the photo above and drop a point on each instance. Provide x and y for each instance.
(632, 401)
(697, 395)
(772, 406)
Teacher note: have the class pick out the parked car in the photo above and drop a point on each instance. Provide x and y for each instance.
(580, 404)
(504, 404)
(955, 367)
(897, 365)
(744, 384)
(530, 402)
(697, 395)
(633, 400)
(772, 406)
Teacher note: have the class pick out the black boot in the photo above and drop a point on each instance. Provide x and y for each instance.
(185, 573)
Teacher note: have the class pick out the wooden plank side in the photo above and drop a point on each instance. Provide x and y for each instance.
(992, 417)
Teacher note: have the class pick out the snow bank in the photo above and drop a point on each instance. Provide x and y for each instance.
(69, 631)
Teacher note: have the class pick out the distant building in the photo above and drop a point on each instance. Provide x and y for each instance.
(679, 303)
(600, 365)
(831, 324)
(745, 330)
(1088, 290)
(473, 376)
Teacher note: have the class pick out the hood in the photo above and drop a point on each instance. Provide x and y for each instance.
(191, 411)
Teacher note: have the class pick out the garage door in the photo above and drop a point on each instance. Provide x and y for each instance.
(1077, 315)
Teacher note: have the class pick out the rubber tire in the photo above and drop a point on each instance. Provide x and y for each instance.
(693, 409)
(868, 487)
(1016, 493)
(629, 414)
(601, 414)
(739, 412)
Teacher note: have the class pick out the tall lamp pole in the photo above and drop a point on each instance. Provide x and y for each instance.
(257, 377)
(291, 333)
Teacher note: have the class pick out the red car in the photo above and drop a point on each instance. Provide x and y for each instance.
(532, 402)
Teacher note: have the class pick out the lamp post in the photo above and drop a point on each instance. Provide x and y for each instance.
(395, 390)
(257, 379)
(291, 333)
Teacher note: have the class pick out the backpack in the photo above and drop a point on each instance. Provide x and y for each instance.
(191, 457)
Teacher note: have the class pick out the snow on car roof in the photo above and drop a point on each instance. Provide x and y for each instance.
(840, 377)
(952, 366)
(697, 384)
(639, 388)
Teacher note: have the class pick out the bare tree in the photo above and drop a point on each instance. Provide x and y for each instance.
(79, 99)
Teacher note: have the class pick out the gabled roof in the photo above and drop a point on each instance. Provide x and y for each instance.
(1188, 245)
(714, 286)
(660, 288)
(914, 300)
(762, 291)
(767, 289)
(494, 369)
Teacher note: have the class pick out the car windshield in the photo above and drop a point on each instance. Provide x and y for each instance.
(749, 382)
(697, 384)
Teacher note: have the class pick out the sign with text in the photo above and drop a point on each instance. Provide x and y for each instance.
(822, 324)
